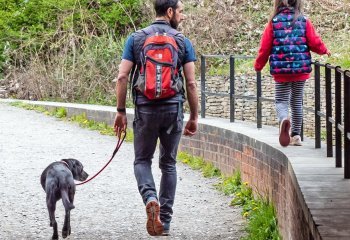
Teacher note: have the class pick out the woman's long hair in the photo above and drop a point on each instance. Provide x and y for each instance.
(296, 4)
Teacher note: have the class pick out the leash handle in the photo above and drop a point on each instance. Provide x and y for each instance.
(121, 138)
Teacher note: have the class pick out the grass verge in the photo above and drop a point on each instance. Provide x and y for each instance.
(197, 163)
(258, 211)
(81, 119)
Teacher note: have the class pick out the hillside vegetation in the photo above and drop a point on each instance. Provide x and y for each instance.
(64, 50)
(235, 26)
(69, 50)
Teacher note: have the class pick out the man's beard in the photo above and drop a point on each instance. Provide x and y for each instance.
(173, 22)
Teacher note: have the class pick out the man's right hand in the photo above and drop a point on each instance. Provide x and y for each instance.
(120, 123)
(192, 97)
(190, 128)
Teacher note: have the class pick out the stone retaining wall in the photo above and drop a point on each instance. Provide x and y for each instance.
(245, 85)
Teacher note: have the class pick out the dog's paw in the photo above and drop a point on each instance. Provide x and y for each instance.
(66, 232)
(54, 237)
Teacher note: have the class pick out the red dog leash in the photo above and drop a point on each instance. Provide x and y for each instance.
(121, 138)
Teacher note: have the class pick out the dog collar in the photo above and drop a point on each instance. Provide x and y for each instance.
(65, 163)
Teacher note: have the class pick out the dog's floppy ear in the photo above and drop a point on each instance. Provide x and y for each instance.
(76, 167)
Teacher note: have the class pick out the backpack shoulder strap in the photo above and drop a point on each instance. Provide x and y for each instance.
(139, 39)
(180, 41)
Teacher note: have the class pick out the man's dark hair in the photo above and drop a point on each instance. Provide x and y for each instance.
(161, 6)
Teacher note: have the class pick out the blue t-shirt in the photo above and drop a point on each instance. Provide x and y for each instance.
(128, 54)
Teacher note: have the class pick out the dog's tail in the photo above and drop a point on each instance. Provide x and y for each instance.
(66, 203)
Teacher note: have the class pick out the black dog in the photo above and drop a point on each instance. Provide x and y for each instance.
(58, 182)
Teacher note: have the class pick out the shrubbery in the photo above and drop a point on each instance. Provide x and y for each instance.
(38, 26)
(66, 49)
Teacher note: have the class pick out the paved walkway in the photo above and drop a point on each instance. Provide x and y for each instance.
(109, 207)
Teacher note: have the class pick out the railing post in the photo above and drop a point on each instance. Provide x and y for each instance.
(258, 100)
(346, 124)
(338, 134)
(328, 74)
(203, 86)
(317, 105)
(302, 130)
(232, 88)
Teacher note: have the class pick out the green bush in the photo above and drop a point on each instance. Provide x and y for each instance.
(36, 27)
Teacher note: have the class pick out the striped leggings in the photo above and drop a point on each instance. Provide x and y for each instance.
(290, 93)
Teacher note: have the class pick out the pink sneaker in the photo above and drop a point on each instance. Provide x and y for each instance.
(284, 132)
(296, 141)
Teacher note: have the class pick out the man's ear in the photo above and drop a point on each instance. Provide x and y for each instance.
(170, 12)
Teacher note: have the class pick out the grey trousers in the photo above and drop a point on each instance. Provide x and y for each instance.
(163, 122)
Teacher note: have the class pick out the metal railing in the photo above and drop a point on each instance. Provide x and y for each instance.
(341, 127)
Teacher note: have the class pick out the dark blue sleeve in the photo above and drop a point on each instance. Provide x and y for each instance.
(128, 53)
(190, 54)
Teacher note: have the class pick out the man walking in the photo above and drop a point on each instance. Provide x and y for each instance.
(163, 60)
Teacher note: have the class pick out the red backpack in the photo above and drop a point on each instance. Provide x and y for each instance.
(159, 70)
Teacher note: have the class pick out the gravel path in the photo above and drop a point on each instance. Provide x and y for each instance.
(108, 207)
